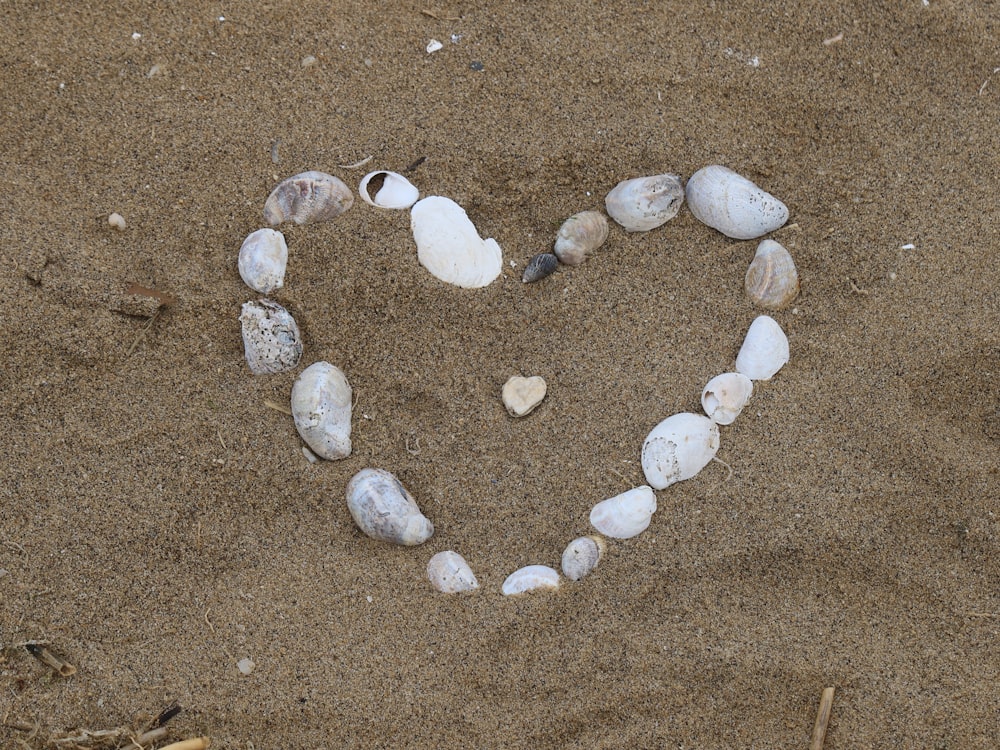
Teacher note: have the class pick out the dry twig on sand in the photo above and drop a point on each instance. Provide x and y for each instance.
(822, 720)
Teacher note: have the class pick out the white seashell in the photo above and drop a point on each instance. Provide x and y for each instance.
(383, 509)
(396, 191)
(678, 448)
(726, 201)
(321, 408)
(449, 573)
(581, 556)
(579, 236)
(521, 395)
(449, 246)
(764, 350)
(117, 221)
(530, 578)
(271, 340)
(771, 279)
(262, 261)
(626, 515)
(725, 396)
(645, 203)
(540, 266)
(307, 198)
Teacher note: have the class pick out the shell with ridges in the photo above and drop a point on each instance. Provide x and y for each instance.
(540, 266)
(383, 509)
(581, 556)
(396, 191)
(530, 578)
(263, 259)
(626, 515)
(321, 408)
(678, 448)
(449, 573)
(579, 236)
(764, 351)
(449, 246)
(271, 341)
(732, 204)
(724, 397)
(771, 279)
(307, 198)
(645, 203)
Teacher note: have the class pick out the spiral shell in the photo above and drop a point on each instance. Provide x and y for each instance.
(581, 556)
(732, 204)
(540, 266)
(764, 351)
(383, 509)
(262, 260)
(271, 340)
(626, 515)
(724, 397)
(321, 408)
(307, 198)
(579, 236)
(771, 279)
(530, 578)
(678, 448)
(449, 573)
(645, 203)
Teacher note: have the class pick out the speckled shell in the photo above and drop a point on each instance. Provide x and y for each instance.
(530, 578)
(678, 448)
(396, 191)
(724, 397)
(581, 556)
(626, 515)
(449, 573)
(771, 279)
(384, 510)
(764, 351)
(540, 266)
(271, 341)
(645, 203)
(262, 260)
(449, 246)
(307, 198)
(321, 408)
(730, 203)
(579, 236)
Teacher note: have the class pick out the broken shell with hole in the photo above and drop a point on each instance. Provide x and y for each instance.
(579, 236)
(271, 341)
(396, 191)
(383, 509)
(449, 573)
(626, 515)
(449, 246)
(530, 578)
(732, 204)
(263, 259)
(321, 408)
(678, 448)
(645, 203)
(540, 266)
(307, 198)
(764, 350)
(771, 279)
(581, 556)
(724, 397)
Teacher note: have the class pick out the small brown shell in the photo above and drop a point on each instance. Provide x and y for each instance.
(540, 266)
(772, 280)
(579, 236)
(307, 198)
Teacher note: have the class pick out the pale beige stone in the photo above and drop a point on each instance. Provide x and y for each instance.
(521, 395)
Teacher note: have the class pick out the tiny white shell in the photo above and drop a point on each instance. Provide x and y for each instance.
(678, 448)
(307, 198)
(626, 515)
(579, 236)
(521, 395)
(449, 246)
(724, 397)
(771, 279)
(117, 221)
(530, 578)
(271, 340)
(645, 203)
(449, 573)
(383, 509)
(732, 204)
(263, 259)
(396, 191)
(764, 351)
(581, 556)
(321, 408)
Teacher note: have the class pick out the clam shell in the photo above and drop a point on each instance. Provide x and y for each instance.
(262, 260)
(271, 341)
(383, 509)
(321, 408)
(579, 236)
(521, 395)
(307, 198)
(724, 397)
(581, 556)
(771, 279)
(530, 578)
(396, 191)
(678, 448)
(645, 203)
(449, 246)
(540, 266)
(449, 573)
(626, 515)
(764, 350)
(730, 203)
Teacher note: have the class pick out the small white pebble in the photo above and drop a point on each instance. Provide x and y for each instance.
(908, 246)
(157, 68)
(136, 35)
(117, 221)
(892, 276)
(433, 46)
(308, 61)
(245, 665)
(370, 600)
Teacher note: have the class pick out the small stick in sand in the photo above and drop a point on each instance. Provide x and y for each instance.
(822, 720)
(49, 659)
(196, 743)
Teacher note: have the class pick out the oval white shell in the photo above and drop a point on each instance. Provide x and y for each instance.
(579, 236)
(771, 279)
(396, 191)
(521, 395)
(626, 515)
(678, 448)
(730, 203)
(383, 509)
(645, 203)
(263, 259)
(271, 340)
(307, 198)
(321, 408)
(449, 573)
(449, 246)
(581, 556)
(724, 397)
(764, 350)
(530, 578)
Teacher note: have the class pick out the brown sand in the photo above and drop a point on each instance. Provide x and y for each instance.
(159, 522)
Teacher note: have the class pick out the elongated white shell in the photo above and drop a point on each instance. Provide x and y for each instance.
(307, 198)
(579, 236)
(581, 556)
(449, 573)
(449, 246)
(771, 279)
(262, 260)
(645, 203)
(726, 201)
(724, 397)
(321, 408)
(764, 350)
(626, 515)
(271, 340)
(383, 509)
(396, 191)
(530, 578)
(678, 448)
